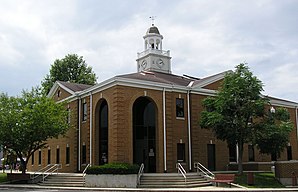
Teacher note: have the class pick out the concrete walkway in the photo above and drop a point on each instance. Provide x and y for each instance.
(201, 189)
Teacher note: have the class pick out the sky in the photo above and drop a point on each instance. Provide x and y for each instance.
(204, 37)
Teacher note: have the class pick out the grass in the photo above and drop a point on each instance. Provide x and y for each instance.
(261, 180)
(3, 177)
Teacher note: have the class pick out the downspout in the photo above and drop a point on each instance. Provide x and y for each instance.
(188, 127)
(237, 153)
(164, 130)
(91, 105)
(79, 136)
(296, 120)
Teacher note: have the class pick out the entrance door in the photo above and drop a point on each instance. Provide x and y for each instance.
(211, 156)
(144, 121)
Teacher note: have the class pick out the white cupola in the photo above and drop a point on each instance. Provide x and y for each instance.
(153, 58)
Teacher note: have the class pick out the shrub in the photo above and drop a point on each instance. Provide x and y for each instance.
(113, 168)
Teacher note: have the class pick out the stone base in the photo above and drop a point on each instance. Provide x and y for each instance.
(107, 180)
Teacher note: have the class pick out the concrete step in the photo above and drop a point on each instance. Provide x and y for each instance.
(65, 179)
(69, 184)
(176, 186)
(172, 181)
(69, 180)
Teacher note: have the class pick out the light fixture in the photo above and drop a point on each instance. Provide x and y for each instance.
(272, 110)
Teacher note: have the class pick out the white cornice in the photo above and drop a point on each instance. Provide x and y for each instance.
(53, 90)
(155, 86)
(283, 103)
(211, 79)
(56, 85)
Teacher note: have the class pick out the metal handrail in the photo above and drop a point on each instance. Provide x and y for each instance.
(84, 172)
(46, 171)
(40, 171)
(181, 170)
(51, 170)
(140, 173)
(204, 170)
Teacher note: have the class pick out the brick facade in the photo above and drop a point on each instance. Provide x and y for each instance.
(120, 100)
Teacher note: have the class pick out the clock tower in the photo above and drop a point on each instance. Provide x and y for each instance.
(153, 58)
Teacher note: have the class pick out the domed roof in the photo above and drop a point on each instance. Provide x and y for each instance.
(153, 29)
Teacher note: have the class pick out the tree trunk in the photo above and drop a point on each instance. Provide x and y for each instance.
(23, 164)
(24, 167)
(240, 163)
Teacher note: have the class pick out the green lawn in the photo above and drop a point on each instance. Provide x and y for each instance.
(261, 180)
(3, 177)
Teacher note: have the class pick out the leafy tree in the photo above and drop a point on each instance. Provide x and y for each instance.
(272, 133)
(230, 112)
(71, 68)
(26, 123)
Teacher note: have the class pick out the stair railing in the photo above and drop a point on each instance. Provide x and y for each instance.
(46, 171)
(38, 173)
(51, 170)
(140, 173)
(84, 172)
(202, 170)
(181, 170)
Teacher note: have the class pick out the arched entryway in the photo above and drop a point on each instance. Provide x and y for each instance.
(102, 127)
(144, 133)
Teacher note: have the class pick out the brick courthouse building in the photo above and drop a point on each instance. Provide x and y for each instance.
(148, 117)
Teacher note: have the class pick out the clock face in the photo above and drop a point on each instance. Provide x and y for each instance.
(144, 64)
(160, 63)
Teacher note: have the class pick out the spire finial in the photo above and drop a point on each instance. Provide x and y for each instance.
(152, 19)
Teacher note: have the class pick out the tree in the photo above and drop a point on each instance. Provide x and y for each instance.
(71, 68)
(272, 133)
(27, 122)
(229, 114)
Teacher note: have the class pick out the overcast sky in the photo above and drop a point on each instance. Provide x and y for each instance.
(205, 37)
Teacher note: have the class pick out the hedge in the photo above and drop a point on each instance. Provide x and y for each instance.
(113, 168)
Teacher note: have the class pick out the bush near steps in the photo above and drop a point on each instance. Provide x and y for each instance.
(114, 168)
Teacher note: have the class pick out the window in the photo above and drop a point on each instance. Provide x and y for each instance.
(233, 153)
(58, 93)
(84, 110)
(57, 156)
(179, 107)
(32, 159)
(39, 157)
(49, 156)
(211, 157)
(251, 153)
(84, 155)
(181, 152)
(289, 152)
(67, 154)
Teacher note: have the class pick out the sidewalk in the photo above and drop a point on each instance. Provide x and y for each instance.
(201, 189)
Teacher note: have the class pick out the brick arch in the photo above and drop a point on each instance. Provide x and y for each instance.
(144, 113)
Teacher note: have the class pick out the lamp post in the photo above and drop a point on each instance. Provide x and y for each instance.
(271, 113)
(272, 110)
(271, 120)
